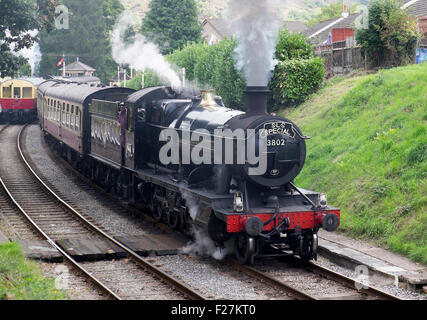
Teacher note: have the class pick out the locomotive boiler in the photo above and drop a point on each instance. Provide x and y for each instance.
(174, 157)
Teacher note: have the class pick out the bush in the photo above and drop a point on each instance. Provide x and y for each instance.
(204, 70)
(294, 80)
(187, 58)
(293, 46)
(150, 80)
(212, 67)
(227, 81)
(298, 74)
(391, 36)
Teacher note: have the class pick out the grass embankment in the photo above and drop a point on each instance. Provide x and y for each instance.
(368, 153)
(23, 280)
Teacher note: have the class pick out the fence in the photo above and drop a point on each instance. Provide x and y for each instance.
(340, 57)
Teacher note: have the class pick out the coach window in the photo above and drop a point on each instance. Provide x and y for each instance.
(27, 92)
(73, 119)
(17, 93)
(63, 113)
(77, 118)
(68, 115)
(7, 92)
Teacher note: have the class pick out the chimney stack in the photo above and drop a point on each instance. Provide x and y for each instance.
(344, 11)
(256, 100)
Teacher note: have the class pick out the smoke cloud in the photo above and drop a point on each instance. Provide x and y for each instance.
(255, 24)
(33, 54)
(140, 54)
(204, 246)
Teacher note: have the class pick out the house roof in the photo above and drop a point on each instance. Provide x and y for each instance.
(78, 66)
(319, 33)
(417, 8)
(221, 26)
(83, 79)
(295, 26)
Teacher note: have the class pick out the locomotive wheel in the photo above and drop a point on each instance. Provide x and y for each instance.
(174, 220)
(245, 249)
(158, 211)
(308, 251)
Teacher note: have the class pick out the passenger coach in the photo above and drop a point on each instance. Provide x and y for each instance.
(63, 110)
(18, 100)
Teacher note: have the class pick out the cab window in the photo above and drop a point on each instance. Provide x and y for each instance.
(17, 93)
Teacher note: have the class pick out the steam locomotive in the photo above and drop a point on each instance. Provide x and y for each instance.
(264, 213)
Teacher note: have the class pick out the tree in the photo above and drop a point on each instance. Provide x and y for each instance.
(391, 36)
(17, 19)
(90, 24)
(171, 24)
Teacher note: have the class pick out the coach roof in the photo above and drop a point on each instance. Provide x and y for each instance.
(79, 93)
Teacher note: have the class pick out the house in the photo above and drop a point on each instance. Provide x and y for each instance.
(214, 30)
(418, 9)
(78, 69)
(340, 28)
(333, 30)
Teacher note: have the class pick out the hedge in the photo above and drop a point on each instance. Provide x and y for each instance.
(294, 80)
(213, 67)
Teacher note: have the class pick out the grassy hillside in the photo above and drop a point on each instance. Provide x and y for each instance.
(368, 152)
(21, 279)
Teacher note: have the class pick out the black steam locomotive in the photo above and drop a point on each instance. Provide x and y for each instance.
(265, 213)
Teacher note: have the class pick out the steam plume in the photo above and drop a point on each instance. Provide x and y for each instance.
(255, 23)
(140, 54)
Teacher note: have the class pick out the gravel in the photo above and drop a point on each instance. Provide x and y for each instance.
(216, 279)
(376, 282)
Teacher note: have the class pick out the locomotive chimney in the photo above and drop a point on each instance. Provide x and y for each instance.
(256, 100)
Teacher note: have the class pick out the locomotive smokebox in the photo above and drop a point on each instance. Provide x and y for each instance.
(256, 100)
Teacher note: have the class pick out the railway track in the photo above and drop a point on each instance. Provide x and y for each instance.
(283, 286)
(311, 275)
(54, 219)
